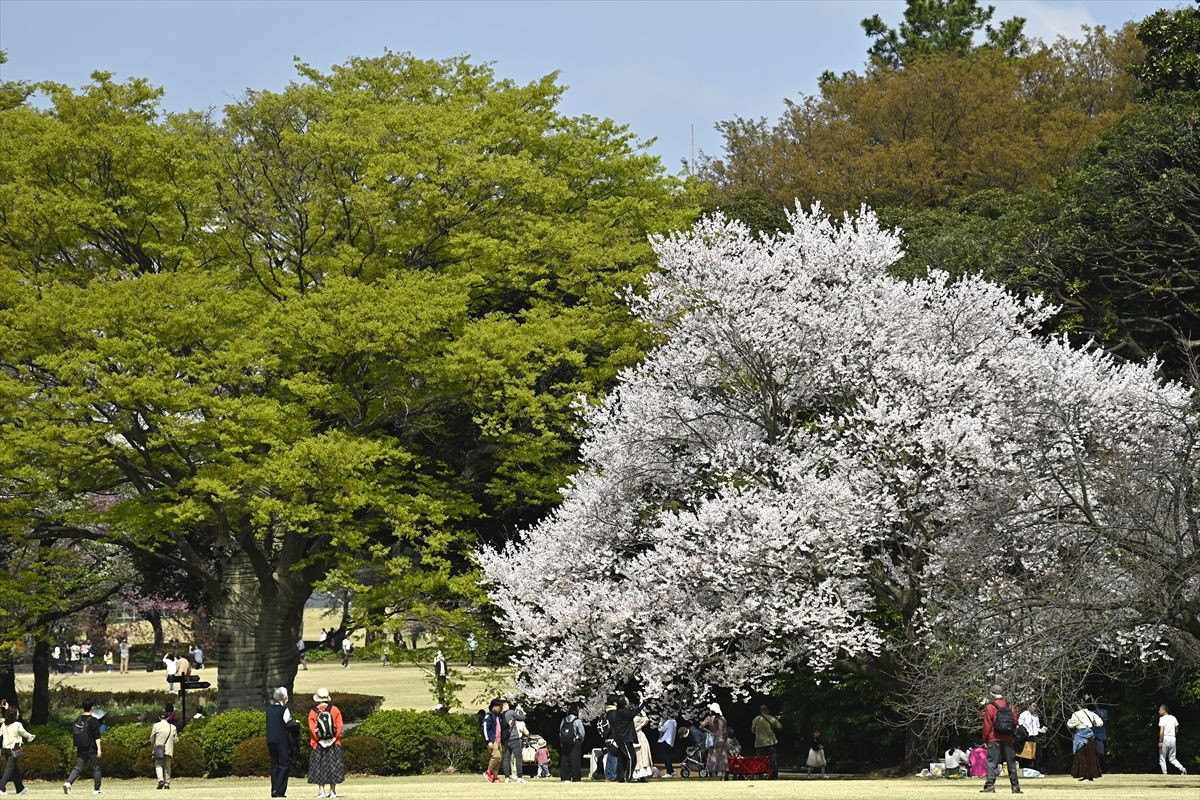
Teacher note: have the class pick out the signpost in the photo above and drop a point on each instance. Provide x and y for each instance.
(186, 682)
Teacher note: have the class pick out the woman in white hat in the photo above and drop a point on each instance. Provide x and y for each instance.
(325, 766)
(718, 753)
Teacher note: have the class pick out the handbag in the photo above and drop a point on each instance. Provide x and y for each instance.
(1029, 751)
(160, 752)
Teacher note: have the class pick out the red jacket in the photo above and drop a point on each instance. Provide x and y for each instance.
(989, 721)
(334, 712)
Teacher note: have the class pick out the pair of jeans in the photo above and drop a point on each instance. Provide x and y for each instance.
(996, 753)
(611, 762)
(281, 763)
(510, 765)
(664, 750)
(571, 765)
(12, 772)
(771, 751)
(82, 757)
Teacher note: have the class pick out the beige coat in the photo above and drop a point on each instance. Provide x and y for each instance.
(164, 733)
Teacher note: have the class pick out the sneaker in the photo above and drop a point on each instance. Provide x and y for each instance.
(520, 780)
(1183, 770)
(66, 788)
(1017, 790)
(332, 793)
(669, 775)
(24, 791)
(160, 785)
(97, 791)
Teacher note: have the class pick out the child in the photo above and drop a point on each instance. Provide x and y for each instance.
(108, 659)
(816, 755)
(543, 758)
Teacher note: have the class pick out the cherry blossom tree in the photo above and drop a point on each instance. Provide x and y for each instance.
(821, 463)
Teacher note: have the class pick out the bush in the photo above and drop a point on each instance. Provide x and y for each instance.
(194, 729)
(187, 762)
(58, 738)
(117, 761)
(251, 757)
(226, 731)
(67, 699)
(134, 737)
(453, 754)
(409, 737)
(354, 707)
(41, 761)
(363, 755)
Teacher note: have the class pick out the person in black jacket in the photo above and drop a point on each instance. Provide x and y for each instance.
(625, 735)
(278, 717)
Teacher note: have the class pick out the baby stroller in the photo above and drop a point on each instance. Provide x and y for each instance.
(695, 753)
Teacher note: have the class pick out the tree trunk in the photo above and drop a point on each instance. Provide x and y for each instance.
(256, 629)
(8, 680)
(39, 714)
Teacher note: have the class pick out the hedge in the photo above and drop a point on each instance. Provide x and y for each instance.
(223, 733)
(41, 761)
(117, 760)
(251, 757)
(187, 762)
(134, 737)
(70, 698)
(410, 738)
(363, 755)
(354, 707)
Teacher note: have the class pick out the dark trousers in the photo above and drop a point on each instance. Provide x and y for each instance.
(12, 772)
(1102, 753)
(626, 758)
(665, 750)
(510, 761)
(81, 760)
(571, 767)
(996, 753)
(771, 753)
(281, 762)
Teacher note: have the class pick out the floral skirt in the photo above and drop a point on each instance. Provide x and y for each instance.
(325, 765)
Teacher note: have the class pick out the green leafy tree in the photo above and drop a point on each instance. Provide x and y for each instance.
(344, 328)
(941, 26)
(1172, 42)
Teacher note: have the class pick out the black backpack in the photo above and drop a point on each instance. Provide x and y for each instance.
(81, 733)
(1005, 723)
(325, 730)
(604, 728)
(566, 731)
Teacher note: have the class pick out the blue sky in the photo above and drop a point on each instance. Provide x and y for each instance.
(661, 67)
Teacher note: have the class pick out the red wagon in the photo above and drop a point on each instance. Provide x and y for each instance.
(743, 767)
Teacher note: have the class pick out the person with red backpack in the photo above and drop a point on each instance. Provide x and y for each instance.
(999, 732)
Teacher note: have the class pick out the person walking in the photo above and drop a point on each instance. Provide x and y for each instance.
(766, 740)
(570, 741)
(325, 766)
(999, 729)
(667, 732)
(123, 650)
(12, 737)
(346, 648)
(511, 766)
(493, 734)
(302, 649)
(162, 746)
(279, 742)
(472, 646)
(816, 755)
(1032, 723)
(85, 735)
(1168, 727)
(718, 754)
(1085, 763)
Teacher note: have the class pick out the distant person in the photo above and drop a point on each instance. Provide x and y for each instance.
(472, 645)
(1032, 723)
(56, 659)
(999, 733)
(816, 755)
(162, 748)
(321, 639)
(766, 740)
(1168, 727)
(718, 754)
(541, 756)
(85, 735)
(108, 660)
(183, 667)
(1085, 763)
(440, 673)
(1100, 734)
(302, 648)
(197, 656)
(123, 651)
(570, 743)
(667, 732)
(279, 742)
(643, 766)
(325, 766)
(75, 650)
(346, 648)
(12, 737)
(977, 755)
(493, 734)
(169, 710)
(172, 666)
(956, 762)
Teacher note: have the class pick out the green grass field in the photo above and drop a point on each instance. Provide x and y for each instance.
(1111, 787)
(401, 686)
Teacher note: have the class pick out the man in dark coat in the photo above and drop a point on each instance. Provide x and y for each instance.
(278, 742)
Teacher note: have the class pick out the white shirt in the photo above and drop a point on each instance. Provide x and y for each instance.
(171, 664)
(1169, 725)
(666, 732)
(346, 644)
(1084, 719)
(1030, 722)
(956, 758)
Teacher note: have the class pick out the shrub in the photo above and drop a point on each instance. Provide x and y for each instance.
(57, 738)
(363, 755)
(67, 699)
(251, 757)
(117, 760)
(41, 761)
(409, 737)
(135, 737)
(354, 707)
(453, 754)
(194, 729)
(226, 731)
(187, 762)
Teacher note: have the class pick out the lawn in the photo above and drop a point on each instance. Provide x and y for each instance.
(401, 686)
(1112, 787)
